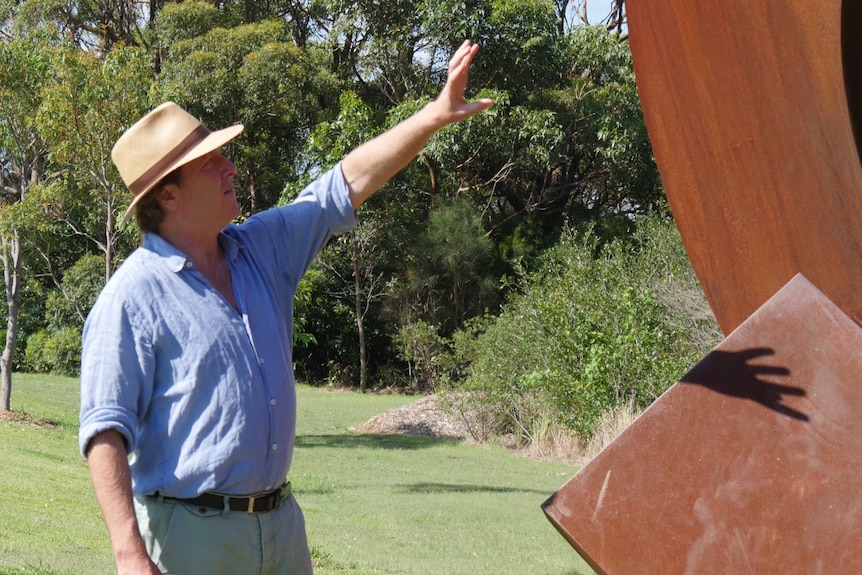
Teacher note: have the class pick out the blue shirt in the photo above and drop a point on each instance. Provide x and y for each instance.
(204, 393)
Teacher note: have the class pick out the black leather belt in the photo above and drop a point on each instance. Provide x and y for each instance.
(259, 504)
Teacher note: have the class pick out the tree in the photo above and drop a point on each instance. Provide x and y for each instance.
(455, 264)
(355, 257)
(93, 25)
(252, 74)
(24, 66)
(577, 149)
(82, 114)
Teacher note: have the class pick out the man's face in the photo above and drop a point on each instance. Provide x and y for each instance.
(206, 192)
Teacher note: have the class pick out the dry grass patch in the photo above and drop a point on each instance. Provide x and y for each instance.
(435, 417)
(610, 425)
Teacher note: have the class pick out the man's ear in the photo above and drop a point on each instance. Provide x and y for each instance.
(167, 197)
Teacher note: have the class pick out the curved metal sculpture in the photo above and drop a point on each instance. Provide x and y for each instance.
(750, 463)
(748, 113)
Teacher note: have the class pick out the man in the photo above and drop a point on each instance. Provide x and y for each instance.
(188, 410)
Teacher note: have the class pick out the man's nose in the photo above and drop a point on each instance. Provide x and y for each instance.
(228, 167)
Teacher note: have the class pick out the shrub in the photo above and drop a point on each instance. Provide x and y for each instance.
(34, 353)
(421, 347)
(58, 352)
(593, 328)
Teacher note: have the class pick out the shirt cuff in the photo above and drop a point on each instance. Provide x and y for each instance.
(94, 424)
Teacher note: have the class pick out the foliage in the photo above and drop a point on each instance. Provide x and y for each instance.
(590, 330)
(188, 20)
(608, 156)
(420, 345)
(451, 278)
(58, 352)
(31, 315)
(250, 74)
(522, 35)
(57, 347)
(25, 65)
(83, 112)
(69, 304)
(402, 298)
(302, 307)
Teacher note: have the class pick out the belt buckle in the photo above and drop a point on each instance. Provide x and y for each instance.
(251, 504)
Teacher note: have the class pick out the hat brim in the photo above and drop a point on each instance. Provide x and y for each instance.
(213, 141)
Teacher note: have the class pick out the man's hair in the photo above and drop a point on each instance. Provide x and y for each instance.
(148, 211)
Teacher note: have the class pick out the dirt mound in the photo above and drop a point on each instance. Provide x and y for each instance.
(422, 417)
(26, 419)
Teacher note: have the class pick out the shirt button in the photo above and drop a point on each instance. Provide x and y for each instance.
(272, 402)
(268, 488)
(274, 446)
(261, 361)
(189, 265)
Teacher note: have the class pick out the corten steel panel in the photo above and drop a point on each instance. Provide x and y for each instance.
(752, 129)
(750, 464)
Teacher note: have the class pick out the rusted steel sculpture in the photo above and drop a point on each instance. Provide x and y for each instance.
(748, 113)
(750, 463)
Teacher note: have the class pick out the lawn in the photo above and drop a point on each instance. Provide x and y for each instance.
(373, 504)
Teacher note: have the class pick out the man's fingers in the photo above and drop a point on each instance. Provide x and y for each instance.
(463, 55)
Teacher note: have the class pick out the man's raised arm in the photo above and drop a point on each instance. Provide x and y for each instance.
(373, 163)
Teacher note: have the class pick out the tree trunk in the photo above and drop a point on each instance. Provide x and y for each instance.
(11, 256)
(360, 324)
(109, 240)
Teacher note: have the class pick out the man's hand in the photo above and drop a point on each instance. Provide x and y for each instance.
(451, 104)
(139, 566)
(112, 482)
(373, 163)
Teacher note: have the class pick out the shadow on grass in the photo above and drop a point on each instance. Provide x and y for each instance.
(369, 441)
(460, 488)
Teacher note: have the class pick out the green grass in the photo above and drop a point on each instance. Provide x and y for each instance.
(391, 505)
(49, 521)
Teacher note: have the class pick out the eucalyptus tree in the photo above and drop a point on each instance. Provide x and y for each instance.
(563, 144)
(255, 75)
(608, 164)
(93, 25)
(24, 166)
(83, 112)
(356, 261)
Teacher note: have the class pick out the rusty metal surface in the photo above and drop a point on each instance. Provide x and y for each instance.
(752, 128)
(750, 464)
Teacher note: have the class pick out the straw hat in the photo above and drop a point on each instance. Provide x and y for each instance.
(160, 142)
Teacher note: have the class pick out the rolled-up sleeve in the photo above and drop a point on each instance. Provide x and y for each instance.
(116, 372)
(331, 193)
(295, 233)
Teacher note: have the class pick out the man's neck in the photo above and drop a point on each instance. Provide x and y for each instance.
(208, 257)
(202, 248)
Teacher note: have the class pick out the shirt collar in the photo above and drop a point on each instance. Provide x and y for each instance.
(177, 260)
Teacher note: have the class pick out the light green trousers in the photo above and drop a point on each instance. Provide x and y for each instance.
(186, 539)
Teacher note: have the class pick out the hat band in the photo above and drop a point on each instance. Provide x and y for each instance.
(159, 169)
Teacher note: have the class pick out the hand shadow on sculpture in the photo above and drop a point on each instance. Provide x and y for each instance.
(733, 374)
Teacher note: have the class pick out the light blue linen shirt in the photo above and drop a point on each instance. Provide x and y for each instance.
(204, 393)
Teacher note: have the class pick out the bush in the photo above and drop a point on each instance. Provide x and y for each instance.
(58, 353)
(593, 327)
(420, 346)
(34, 352)
(68, 306)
